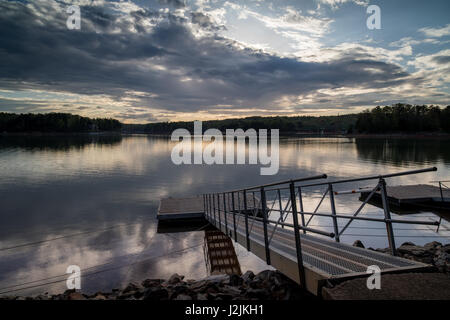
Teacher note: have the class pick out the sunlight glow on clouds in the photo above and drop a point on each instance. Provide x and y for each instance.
(159, 60)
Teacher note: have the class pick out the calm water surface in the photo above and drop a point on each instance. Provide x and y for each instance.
(91, 201)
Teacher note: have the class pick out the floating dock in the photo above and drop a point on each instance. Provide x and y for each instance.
(181, 208)
(419, 195)
(172, 209)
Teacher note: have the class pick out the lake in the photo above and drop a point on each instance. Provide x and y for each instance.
(92, 201)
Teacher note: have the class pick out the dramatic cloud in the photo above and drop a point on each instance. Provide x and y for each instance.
(150, 63)
(436, 32)
(175, 3)
(336, 3)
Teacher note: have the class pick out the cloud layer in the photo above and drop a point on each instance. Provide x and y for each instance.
(148, 64)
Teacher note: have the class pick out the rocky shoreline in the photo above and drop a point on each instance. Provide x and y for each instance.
(266, 285)
(433, 253)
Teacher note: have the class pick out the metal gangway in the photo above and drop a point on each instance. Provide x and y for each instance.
(309, 256)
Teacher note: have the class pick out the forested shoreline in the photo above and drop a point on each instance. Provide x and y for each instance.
(404, 118)
(55, 122)
(395, 119)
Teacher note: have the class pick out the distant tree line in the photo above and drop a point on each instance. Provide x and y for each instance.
(55, 122)
(306, 124)
(404, 118)
(399, 118)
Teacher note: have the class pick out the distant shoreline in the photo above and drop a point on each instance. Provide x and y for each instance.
(51, 134)
(434, 135)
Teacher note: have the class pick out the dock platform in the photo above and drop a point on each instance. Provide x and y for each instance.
(181, 208)
(422, 195)
(193, 207)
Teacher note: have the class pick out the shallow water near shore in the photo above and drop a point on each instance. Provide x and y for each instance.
(92, 200)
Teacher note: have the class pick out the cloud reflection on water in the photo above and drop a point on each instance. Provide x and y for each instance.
(65, 185)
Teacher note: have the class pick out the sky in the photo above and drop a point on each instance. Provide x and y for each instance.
(171, 60)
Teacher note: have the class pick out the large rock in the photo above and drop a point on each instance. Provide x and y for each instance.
(358, 244)
(175, 278)
(413, 250)
(445, 248)
(180, 288)
(231, 290)
(248, 276)
(151, 283)
(432, 246)
(442, 262)
(76, 296)
(235, 280)
(218, 278)
(99, 296)
(132, 287)
(265, 275)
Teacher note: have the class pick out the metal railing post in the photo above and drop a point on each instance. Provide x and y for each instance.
(225, 214)
(214, 208)
(254, 204)
(298, 245)
(218, 212)
(207, 206)
(281, 206)
(204, 205)
(333, 212)
(208, 203)
(300, 201)
(387, 216)
(211, 211)
(247, 236)
(234, 216)
(264, 217)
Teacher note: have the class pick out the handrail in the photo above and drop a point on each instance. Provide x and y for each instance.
(340, 216)
(391, 175)
(323, 233)
(322, 176)
(212, 206)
